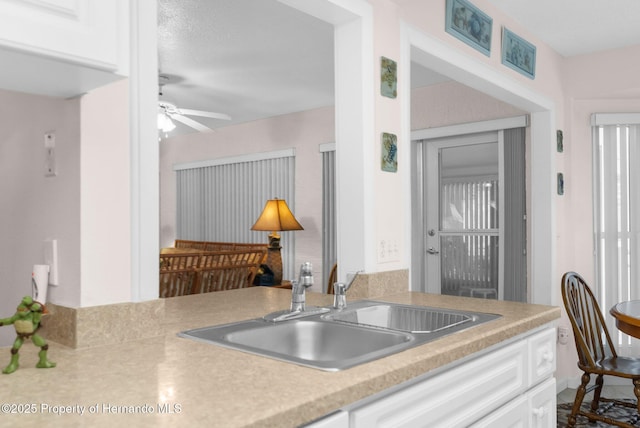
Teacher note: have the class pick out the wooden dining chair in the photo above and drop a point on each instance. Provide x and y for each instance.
(596, 352)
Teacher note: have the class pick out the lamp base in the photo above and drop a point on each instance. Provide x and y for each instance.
(274, 261)
(274, 240)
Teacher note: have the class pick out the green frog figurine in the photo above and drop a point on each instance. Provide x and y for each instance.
(26, 321)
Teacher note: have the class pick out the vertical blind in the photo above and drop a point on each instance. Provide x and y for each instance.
(617, 213)
(469, 237)
(515, 215)
(220, 200)
(329, 244)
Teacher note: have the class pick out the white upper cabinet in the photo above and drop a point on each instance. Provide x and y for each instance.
(63, 47)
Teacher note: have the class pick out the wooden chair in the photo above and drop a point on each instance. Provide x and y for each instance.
(225, 277)
(184, 243)
(596, 352)
(216, 258)
(177, 282)
(178, 261)
(333, 277)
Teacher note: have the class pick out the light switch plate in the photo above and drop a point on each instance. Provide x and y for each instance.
(50, 155)
(50, 163)
(51, 259)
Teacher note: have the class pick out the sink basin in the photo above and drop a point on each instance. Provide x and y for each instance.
(363, 332)
(308, 342)
(407, 318)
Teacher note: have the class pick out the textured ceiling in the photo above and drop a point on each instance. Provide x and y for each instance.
(249, 59)
(253, 59)
(576, 27)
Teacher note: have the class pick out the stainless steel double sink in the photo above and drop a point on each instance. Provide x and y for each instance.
(365, 331)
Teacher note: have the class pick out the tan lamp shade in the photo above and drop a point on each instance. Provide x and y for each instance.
(276, 216)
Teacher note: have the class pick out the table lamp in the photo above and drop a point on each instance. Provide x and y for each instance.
(276, 216)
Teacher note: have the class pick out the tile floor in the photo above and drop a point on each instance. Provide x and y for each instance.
(568, 395)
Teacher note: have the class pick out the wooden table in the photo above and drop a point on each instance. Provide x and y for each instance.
(627, 315)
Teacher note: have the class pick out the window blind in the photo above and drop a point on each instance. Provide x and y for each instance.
(329, 234)
(616, 189)
(515, 215)
(220, 200)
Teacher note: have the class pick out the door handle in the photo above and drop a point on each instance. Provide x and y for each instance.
(432, 250)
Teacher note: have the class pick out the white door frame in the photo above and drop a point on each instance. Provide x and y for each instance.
(441, 57)
(418, 272)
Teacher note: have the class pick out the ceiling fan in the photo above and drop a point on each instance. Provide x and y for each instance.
(168, 112)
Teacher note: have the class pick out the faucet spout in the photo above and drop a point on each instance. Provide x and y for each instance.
(298, 298)
(340, 292)
(299, 287)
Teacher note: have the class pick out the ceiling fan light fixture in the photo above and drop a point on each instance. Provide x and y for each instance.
(165, 124)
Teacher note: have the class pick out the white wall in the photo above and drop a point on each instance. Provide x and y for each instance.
(105, 197)
(35, 207)
(605, 82)
(304, 131)
(452, 103)
(86, 207)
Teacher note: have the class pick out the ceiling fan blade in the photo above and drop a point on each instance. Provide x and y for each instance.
(212, 115)
(190, 122)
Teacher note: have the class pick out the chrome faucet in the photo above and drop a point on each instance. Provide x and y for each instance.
(298, 288)
(298, 298)
(340, 292)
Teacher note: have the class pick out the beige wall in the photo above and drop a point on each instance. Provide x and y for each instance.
(35, 207)
(452, 103)
(105, 198)
(85, 207)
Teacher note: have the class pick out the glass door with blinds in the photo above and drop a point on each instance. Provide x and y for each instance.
(473, 239)
(463, 228)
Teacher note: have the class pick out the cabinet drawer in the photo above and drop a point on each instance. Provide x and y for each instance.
(454, 398)
(515, 414)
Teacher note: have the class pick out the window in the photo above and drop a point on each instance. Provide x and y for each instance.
(616, 139)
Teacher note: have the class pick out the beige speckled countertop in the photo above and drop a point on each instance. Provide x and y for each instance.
(197, 384)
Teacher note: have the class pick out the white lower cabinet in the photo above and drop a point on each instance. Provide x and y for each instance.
(535, 409)
(511, 386)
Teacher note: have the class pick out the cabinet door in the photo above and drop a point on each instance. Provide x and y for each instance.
(93, 33)
(542, 405)
(513, 415)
